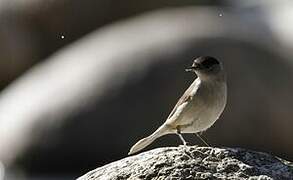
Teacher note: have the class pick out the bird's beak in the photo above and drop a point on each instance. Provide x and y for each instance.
(192, 68)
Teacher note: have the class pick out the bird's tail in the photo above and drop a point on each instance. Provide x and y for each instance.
(148, 140)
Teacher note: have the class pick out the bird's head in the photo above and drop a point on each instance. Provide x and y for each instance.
(206, 66)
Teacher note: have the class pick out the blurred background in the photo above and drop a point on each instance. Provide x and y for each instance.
(82, 81)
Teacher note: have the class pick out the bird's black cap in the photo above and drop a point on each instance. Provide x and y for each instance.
(203, 62)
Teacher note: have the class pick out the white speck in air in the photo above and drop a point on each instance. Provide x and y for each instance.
(62, 37)
(220, 14)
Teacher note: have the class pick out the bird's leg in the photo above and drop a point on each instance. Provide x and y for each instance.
(186, 149)
(207, 144)
(178, 132)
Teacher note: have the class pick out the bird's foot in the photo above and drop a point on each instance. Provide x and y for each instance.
(186, 149)
(184, 146)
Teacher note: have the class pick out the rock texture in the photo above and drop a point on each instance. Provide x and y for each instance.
(195, 163)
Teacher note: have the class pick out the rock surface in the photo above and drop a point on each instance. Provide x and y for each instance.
(195, 163)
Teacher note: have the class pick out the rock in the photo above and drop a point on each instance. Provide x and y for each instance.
(195, 162)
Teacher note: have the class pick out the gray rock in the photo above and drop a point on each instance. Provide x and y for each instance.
(194, 162)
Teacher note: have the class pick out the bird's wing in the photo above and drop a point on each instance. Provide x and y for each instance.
(187, 96)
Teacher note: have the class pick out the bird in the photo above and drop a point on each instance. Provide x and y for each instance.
(199, 107)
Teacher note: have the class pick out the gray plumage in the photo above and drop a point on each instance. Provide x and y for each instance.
(199, 107)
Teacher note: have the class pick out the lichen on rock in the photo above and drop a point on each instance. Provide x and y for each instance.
(193, 162)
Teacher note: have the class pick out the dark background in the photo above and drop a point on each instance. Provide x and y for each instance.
(111, 108)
